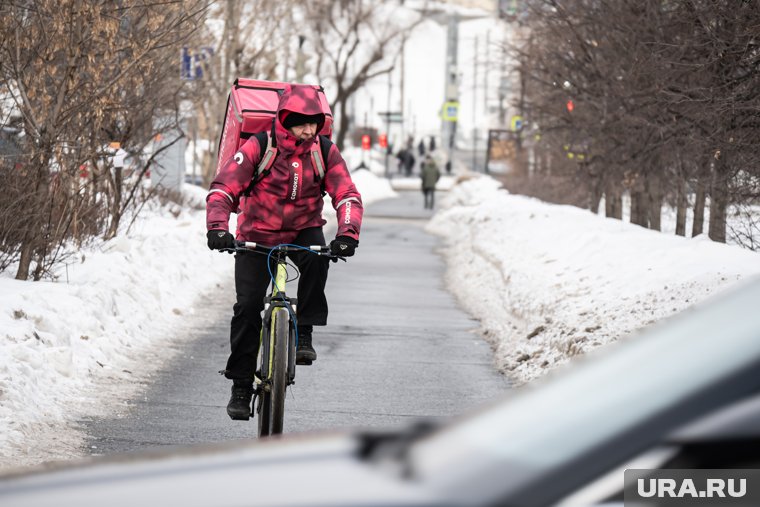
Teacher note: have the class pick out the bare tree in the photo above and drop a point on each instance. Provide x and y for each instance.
(663, 94)
(355, 41)
(74, 69)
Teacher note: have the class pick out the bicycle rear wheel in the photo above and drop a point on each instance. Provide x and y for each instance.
(280, 369)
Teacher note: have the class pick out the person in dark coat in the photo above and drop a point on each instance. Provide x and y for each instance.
(409, 161)
(421, 148)
(400, 158)
(430, 176)
(432, 144)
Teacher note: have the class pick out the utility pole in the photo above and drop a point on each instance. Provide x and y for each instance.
(194, 134)
(451, 91)
(300, 60)
(474, 105)
(403, 71)
(388, 122)
(485, 77)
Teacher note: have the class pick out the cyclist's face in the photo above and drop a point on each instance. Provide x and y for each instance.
(304, 132)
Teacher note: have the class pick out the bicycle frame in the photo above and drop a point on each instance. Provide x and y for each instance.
(277, 299)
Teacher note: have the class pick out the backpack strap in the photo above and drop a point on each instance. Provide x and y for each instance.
(268, 148)
(319, 160)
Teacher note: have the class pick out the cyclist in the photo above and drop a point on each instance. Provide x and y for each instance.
(284, 206)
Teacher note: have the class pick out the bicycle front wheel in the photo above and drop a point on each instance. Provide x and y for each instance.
(279, 369)
(264, 405)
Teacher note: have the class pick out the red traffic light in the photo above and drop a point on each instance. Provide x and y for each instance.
(570, 106)
(383, 140)
(365, 142)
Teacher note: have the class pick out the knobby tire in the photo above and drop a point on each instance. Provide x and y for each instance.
(264, 402)
(280, 370)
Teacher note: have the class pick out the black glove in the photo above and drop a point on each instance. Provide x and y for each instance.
(219, 239)
(343, 246)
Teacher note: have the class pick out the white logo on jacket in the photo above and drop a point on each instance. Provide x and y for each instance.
(239, 158)
(347, 216)
(295, 187)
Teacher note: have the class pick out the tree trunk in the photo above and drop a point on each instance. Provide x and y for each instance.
(613, 202)
(655, 197)
(344, 122)
(595, 189)
(718, 201)
(698, 225)
(638, 208)
(116, 210)
(639, 201)
(681, 206)
(33, 232)
(25, 260)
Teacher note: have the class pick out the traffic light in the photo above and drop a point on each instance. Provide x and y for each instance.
(383, 140)
(365, 142)
(570, 106)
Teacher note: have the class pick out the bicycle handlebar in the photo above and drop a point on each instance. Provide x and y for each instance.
(248, 246)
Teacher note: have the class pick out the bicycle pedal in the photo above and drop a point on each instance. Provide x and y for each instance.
(304, 362)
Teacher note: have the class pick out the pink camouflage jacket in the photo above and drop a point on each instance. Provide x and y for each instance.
(288, 199)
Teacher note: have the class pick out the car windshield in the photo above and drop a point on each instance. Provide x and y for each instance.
(573, 413)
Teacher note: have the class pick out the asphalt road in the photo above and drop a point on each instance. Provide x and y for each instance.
(397, 348)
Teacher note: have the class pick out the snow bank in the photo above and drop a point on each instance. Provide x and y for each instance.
(549, 282)
(78, 347)
(70, 347)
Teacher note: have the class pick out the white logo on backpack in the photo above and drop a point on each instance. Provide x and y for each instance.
(239, 158)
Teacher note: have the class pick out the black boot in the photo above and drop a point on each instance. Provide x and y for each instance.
(239, 407)
(305, 353)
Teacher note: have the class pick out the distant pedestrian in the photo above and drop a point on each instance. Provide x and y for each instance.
(430, 176)
(400, 157)
(432, 144)
(421, 148)
(409, 161)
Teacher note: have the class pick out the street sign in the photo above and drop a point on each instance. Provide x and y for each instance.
(192, 60)
(450, 111)
(392, 116)
(517, 123)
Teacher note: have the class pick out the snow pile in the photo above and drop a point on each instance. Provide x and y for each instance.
(550, 282)
(99, 325)
(71, 349)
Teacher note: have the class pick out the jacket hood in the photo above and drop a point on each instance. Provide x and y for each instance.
(302, 99)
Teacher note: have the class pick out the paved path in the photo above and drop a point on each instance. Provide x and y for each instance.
(397, 348)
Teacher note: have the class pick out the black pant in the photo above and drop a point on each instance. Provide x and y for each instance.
(251, 284)
(429, 197)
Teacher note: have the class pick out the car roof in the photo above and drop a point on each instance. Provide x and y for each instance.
(297, 471)
(737, 421)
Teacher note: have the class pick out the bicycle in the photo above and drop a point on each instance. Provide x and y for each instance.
(278, 338)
